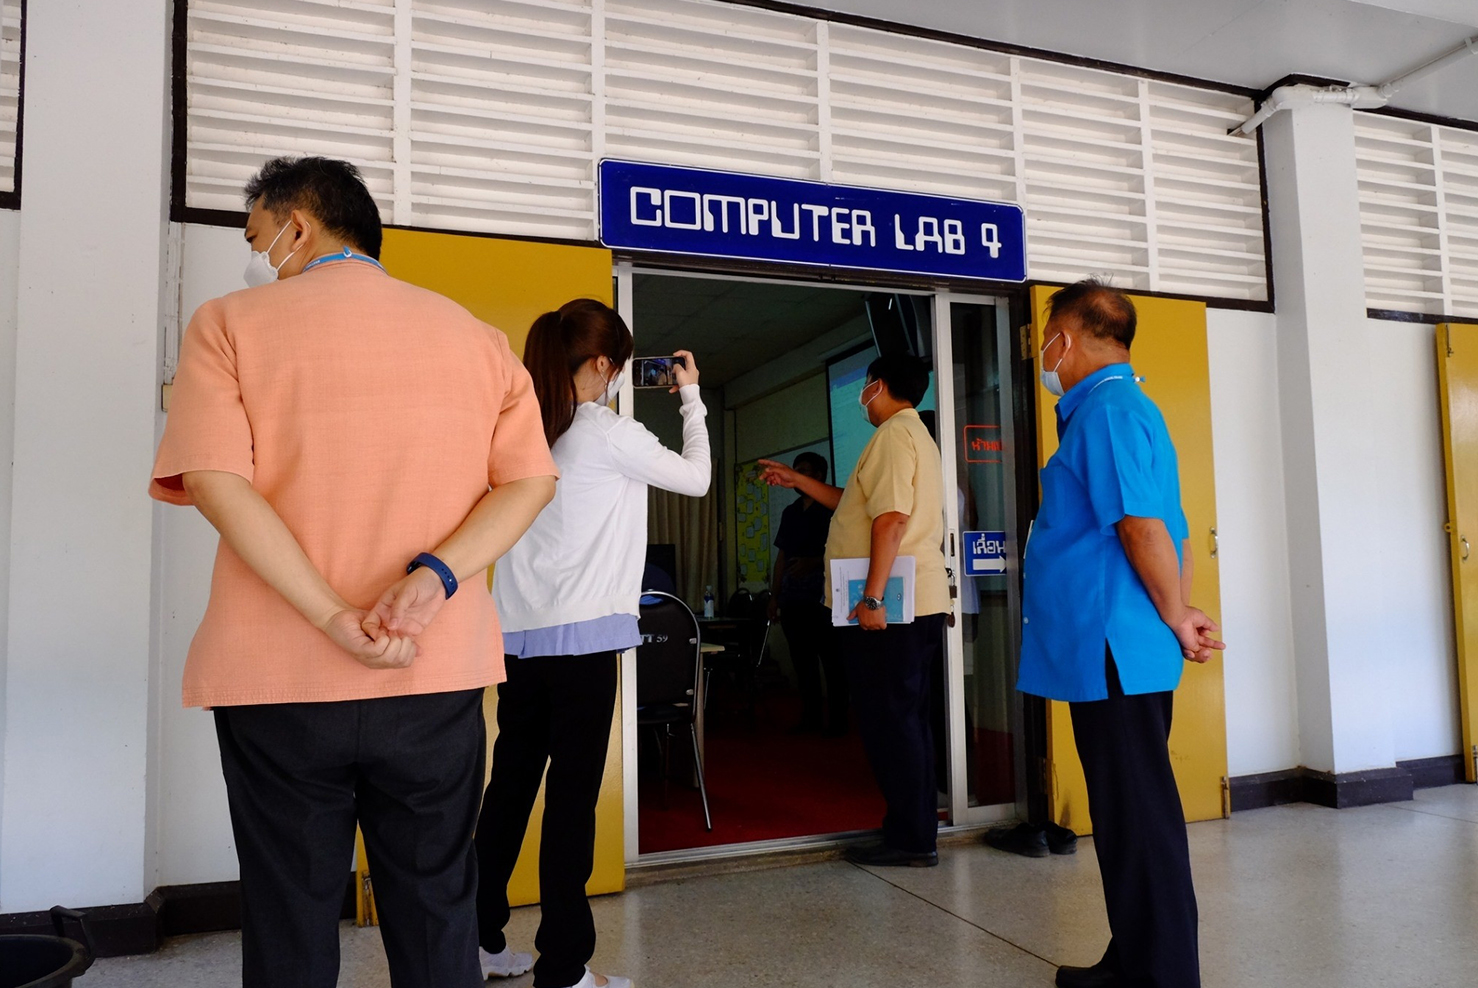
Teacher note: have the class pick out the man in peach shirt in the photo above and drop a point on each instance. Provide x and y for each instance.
(362, 446)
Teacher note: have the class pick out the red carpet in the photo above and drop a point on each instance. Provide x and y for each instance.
(762, 784)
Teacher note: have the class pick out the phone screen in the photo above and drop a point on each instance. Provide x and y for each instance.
(654, 372)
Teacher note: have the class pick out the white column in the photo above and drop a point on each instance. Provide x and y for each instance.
(1324, 369)
(94, 205)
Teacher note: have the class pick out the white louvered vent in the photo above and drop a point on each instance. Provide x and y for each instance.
(10, 89)
(501, 118)
(925, 116)
(272, 77)
(711, 85)
(490, 116)
(1418, 215)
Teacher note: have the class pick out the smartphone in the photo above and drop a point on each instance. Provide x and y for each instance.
(655, 372)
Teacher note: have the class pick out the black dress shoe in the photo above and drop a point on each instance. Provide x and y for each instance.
(1026, 840)
(880, 855)
(1061, 840)
(1097, 976)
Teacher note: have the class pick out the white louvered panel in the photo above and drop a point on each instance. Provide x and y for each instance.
(1458, 150)
(1084, 168)
(273, 77)
(1400, 218)
(501, 117)
(490, 116)
(10, 85)
(1207, 197)
(921, 115)
(691, 82)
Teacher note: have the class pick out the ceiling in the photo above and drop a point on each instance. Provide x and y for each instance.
(1251, 43)
(732, 327)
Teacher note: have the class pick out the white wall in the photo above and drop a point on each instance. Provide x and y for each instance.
(87, 297)
(1408, 548)
(10, 233)
(1262, 721)
(1411, 629)
(192, 825)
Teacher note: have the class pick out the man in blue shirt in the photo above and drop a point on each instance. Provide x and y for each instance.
(1106, 625)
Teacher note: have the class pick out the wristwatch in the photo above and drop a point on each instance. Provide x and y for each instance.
(871, 603)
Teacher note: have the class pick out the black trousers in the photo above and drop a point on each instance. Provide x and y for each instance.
(555, 710)
(1140, 837)
(889, 672)
(808, 633)
(298, 775)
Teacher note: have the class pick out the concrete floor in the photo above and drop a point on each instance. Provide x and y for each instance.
(1291, 896)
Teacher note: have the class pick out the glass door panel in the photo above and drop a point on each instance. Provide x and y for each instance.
(983, 450)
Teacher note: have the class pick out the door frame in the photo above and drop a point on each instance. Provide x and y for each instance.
(961, 812)
(961, 815)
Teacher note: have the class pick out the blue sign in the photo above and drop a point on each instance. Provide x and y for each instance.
(985, 553)
(725, 214)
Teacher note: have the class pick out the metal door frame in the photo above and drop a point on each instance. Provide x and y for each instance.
(962, 816)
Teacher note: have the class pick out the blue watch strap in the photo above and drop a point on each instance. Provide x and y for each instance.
(441, 569)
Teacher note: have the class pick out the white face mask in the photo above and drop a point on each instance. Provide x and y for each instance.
(863, 404)
(260, 270)
(613, 388)
(1050, 379)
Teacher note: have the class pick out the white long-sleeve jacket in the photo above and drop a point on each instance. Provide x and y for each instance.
(583, 556)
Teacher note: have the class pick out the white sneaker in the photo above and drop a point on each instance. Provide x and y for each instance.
(505, 964)
(611, 981)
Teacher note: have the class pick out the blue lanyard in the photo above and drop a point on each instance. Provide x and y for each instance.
(347, 255)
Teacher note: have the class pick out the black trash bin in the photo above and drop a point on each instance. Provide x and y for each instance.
(30, 961)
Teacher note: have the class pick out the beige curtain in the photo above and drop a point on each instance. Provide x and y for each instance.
(691, 524)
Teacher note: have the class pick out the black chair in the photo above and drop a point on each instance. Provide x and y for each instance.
(668, 671)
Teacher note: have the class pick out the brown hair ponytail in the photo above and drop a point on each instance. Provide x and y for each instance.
(559, 343)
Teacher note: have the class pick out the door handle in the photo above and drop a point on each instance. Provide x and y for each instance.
(1464, 540)
(1215, 544)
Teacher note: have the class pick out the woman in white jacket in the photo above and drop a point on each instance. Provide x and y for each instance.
(567, 596)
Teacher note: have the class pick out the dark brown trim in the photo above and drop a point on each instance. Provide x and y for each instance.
(169, 911)
(1245, 305)
(1395, 315)
(1382, 785)
(179, 49)
(1299, 79)
(1267, 224)
(1431, 773)
(12, 199)
(1386, 111)
(1003, 47)
(765, 269)
(1253, 792)
(1429, 118)
(1347, 789)
(116, 930)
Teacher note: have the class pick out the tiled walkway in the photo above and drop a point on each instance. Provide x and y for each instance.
(1297, 896)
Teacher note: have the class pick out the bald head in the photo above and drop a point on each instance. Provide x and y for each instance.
(1096, 310)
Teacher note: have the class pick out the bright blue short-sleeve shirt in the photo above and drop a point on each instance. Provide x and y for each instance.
(1114, 459)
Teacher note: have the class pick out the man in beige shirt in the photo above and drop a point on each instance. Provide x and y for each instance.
(892, 506)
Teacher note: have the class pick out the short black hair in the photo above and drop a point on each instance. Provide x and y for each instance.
(1098, 308)
(810, 459)
(332, 190)
(906, 376)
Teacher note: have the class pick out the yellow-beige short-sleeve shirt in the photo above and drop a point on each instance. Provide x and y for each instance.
(372, 416)
(899, 470)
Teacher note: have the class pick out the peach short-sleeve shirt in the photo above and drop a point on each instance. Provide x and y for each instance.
(372, 416)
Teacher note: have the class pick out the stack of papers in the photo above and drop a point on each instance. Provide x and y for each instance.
(848, 578)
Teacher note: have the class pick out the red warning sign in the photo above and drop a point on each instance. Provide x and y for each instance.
(983, 444)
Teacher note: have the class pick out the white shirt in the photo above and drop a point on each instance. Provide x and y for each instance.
(584, 555)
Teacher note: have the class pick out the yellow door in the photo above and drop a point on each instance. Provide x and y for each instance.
(508, 284)
(1457, 369)
(1170, 353)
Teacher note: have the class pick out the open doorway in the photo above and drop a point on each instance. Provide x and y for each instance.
(781, 369)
